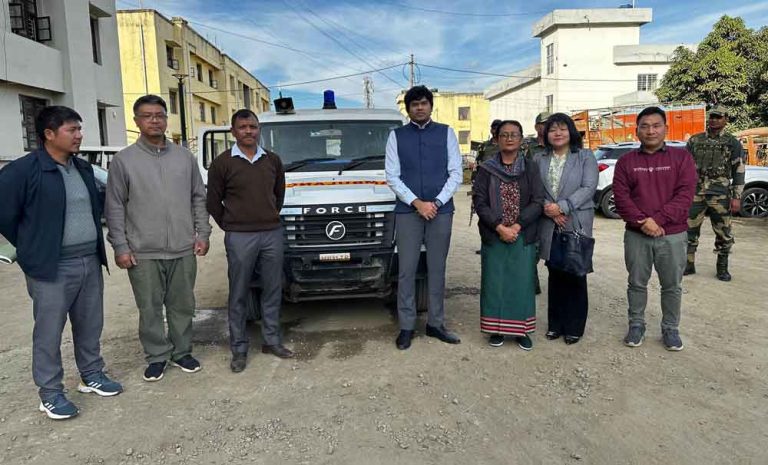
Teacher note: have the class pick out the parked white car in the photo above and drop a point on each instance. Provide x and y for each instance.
(754, 201)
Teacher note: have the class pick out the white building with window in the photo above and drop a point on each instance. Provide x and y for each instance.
(589, 58)
(59, 52)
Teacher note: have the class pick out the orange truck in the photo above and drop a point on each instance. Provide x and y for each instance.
(755, 142)
(614, 125)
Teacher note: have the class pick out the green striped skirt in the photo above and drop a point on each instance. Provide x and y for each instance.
(507, 294)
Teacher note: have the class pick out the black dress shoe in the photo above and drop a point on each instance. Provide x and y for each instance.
(404, 339)
(571, 339)
(238, 362)
(443, 335)
(278, 350)
(552, 335)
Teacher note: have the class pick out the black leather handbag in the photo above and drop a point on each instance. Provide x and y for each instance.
(571, 251)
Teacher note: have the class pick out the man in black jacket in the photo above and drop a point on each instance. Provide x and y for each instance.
(51, 213)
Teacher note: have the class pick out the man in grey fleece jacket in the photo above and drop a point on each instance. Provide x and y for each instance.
(157, 220)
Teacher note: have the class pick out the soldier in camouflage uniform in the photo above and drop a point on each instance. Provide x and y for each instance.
(486, 151)
(535, 145)
(531, 147)
(489, 147)
(720, 166)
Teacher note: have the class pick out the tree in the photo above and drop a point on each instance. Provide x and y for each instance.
(729, 67)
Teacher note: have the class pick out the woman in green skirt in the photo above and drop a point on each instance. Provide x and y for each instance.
(508, 196)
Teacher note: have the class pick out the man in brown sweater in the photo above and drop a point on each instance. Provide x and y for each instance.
(246, 188)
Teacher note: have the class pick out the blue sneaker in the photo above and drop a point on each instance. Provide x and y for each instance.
(58, 407)
(100, 384)
(671, 338)
(188, 364)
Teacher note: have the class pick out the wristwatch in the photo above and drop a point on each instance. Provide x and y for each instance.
(438, 203)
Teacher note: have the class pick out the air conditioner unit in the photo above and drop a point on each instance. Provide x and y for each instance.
(215, 84)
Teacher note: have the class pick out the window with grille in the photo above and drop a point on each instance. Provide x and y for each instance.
(464, 113)
(30, 107)
(463, 137)
(169, 58)
(199, 69)
(647, 82)
(202, 111)
(550, 58)
(95, 40)
(246, 96)
(26, 22)
(103, 127)
(173, 97)
(213, 115)
(550, 102)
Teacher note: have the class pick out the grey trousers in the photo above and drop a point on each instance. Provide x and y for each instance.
(413, 231)
(77, 293)
(170, 283)
(248, 252)
(667, 254)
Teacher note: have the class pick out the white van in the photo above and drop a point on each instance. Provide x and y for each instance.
(339, 212)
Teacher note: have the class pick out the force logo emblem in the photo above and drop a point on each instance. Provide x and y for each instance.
(335, 230)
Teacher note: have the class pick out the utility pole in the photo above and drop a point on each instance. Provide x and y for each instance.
(182, 109)
(413, 75)
(368, 91)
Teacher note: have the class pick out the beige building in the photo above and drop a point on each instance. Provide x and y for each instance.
(157, 52)
(466, 112)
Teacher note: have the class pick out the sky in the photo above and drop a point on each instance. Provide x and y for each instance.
(285, 43)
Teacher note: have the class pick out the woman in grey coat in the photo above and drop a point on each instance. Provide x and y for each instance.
(570, 175)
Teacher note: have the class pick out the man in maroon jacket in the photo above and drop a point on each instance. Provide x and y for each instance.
(653, 188)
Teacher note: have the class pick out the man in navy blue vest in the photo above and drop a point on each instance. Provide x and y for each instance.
(423, 168)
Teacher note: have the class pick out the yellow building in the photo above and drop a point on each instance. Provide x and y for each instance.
(468, 113)
(157, 52)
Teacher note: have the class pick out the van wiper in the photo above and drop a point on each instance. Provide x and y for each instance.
(299, 163)
(359, 161)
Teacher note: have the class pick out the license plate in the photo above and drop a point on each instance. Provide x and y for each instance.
(335, 257)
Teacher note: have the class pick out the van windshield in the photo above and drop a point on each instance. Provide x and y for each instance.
(327, 140)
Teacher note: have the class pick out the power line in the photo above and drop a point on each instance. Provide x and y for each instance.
(303, 52)
(334, 39)
(458, 13)
(315, 60)
(338, 27)
(243, 36)
(336, 77)
(468, 71)
(293, 84)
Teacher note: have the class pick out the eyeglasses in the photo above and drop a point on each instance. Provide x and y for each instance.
(153, 116)
(510, 135)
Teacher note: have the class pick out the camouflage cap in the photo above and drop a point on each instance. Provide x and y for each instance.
(542, 117)
(718, 110)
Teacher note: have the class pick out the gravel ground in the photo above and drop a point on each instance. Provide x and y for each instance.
(351, 397)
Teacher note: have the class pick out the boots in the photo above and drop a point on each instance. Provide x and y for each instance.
(690, 268)
(722, 268)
